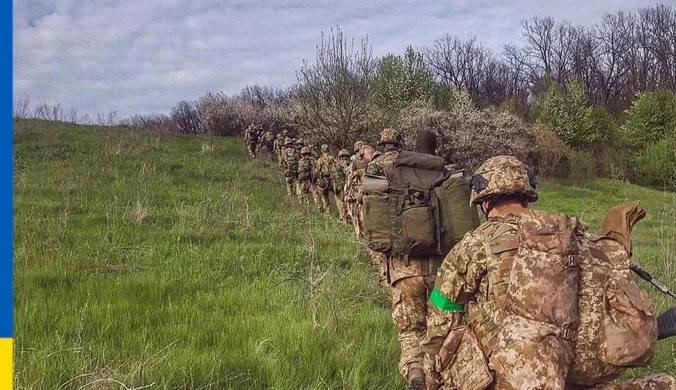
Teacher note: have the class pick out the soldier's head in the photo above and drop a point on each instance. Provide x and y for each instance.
(389, 139)
(343, 154)
(285, 132)
(502, 180)
(358, 145)
(305, 151)
(288, 141)
(324, 148)
(300, 142)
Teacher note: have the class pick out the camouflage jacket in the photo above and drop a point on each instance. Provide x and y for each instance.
(339, 174)
(471, 272)
(377, 166)
(324, 164)
(306, 168)
(290, 162)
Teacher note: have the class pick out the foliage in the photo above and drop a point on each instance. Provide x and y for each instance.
(331, 98)
(400, 81)
(581, 166)
(551, 153)
(468, 136)
(656, 164)
(651, 118)
(568, 115)
(186, 117)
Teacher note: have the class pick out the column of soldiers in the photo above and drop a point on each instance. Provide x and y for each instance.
(430, 295)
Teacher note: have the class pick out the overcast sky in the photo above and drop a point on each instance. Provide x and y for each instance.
(141, 57)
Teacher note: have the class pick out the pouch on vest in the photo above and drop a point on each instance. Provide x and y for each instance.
(375, 222)
(456, 216)
(461, 361)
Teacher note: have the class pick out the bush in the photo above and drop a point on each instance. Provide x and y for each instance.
(656, 164)
(581, 166)
(651, 118)
(468, 136)
(551, 153)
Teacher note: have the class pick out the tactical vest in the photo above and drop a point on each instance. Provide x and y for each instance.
(305, 166)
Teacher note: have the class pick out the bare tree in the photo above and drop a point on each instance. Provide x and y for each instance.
(331, 95)
(21, 108)
(469, 65)
(186, 118)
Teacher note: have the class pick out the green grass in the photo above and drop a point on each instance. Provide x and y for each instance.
(171, 262)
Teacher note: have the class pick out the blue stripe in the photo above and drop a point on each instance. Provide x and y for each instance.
(6, 171)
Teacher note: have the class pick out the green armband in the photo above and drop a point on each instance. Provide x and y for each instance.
(442, 303)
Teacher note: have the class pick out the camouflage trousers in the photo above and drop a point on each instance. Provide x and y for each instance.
(379, 260)
(354, 210)
(321, 198)
(409, 313)
(251, 147)
(290, 186)
(340, 204)
(303, 189)
(652, 382)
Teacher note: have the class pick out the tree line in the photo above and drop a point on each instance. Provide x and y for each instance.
(577, 101)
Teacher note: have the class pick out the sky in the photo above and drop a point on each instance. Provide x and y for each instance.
(142, 57)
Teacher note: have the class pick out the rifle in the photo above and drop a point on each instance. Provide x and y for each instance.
(643, 274)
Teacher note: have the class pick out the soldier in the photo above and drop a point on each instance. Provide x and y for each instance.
(497, 348)
(411, 278)
(306, 166)
(251, 137)
(290, 166)
(353, 192)
(338, 178)
(268, 140)
(322, 183)
(278, 146)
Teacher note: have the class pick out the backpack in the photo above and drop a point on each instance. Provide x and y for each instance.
(419, 208)
(618, 328)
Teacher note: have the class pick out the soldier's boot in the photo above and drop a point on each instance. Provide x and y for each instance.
(416, 380)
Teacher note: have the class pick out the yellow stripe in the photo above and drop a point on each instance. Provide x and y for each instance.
(6, 354)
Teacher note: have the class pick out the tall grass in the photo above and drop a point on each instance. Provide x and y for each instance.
(173, 262)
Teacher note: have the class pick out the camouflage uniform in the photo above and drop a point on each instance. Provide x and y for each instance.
(338, 179)
(474, 278)
(322, 184)
(651, 382)
(267, 141)
(251, 137)
(306, 166)
(278, 146)
(353, 187)
(411, 279)
(289, 166)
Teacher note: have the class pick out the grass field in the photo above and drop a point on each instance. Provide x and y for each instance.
(170, 262)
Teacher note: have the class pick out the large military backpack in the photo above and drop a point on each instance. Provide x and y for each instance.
(618, 328)
(419, 208)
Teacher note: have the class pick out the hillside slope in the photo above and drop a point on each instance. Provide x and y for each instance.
(176, 262)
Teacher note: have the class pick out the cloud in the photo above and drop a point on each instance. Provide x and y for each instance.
(142, 57)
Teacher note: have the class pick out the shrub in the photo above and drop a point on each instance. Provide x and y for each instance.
(580, 166)
(656, 164)
(651, 118)
(468, 136)
(551, 153)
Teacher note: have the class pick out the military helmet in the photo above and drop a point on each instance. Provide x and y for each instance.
(502, 175)
(285, 132)
(324, 148)
(305, 150)
(300, 141)
(358, 145)
(389, 136)
(343, 153)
